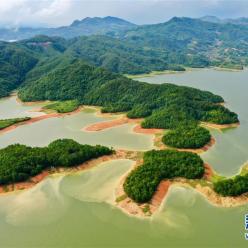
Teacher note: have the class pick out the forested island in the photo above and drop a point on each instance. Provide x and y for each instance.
(20, 162)
(232, 186)
(164, 106)
(187, 137)
(89, 71)
(141, 183)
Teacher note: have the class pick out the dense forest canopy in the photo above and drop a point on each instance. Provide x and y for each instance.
(233, 186)
(14, 64)
(164, 106)
(142, 182)
(86, 70)
(20, 162)
(184, 41)
(187, 136)
(130, 49)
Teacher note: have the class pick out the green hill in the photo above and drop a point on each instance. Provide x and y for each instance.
(15, 62)
(115, 93)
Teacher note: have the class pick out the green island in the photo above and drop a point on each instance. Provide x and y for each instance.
(142, 182)
(187, 137)
(88, 71)
(158, 165)
(162, 106)
(20, 162)
(232, 186)
(166, 106)
(63, 106)
(9, 122)
(160, 131)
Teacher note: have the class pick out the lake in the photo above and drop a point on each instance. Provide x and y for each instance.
(77, 210)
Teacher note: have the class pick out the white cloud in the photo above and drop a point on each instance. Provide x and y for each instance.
(61, 12)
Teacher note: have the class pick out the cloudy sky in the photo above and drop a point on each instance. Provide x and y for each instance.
(63, 12)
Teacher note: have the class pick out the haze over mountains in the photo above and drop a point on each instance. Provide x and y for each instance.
(87, 26)
(122, 47)
(112, 26)
(214, 19)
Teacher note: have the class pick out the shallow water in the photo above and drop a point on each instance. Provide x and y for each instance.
(76, 210)
(10, 108)
(41, 133)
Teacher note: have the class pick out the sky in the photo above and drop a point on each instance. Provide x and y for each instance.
(53, 13)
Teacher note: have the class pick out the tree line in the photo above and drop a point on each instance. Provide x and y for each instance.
(142, 182)
(20, 162)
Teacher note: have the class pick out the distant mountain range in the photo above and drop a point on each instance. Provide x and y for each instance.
(214, 19)
(123, 47)
(111, 26)
(89, 26)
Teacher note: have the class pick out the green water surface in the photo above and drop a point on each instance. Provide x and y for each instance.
(77, 210)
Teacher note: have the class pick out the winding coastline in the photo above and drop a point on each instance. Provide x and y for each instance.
(125, 203)
(202, 186)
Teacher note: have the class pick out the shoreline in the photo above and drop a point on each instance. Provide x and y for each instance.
(144, 210)
(220, 126)
(158, 143)
(38, 118)
(187, 69)
(95, 127)
(122, 200)
(31, 182)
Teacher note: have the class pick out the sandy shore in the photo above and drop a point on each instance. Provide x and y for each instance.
(121, 121)
(158, 142)
(120, 154)
(130, 207)
(109, 124)
(139, 129)
(30, 103)
(127, 205)
(214, 198)
(122, 201)
(36, 119)
(219, 126)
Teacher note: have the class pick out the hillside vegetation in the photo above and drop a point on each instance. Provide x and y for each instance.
(233, 186)
(20, 162)
(126, 48)
(142, 182)
(14, 64)
(163, 106)
(187, 137)
(63, 106)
